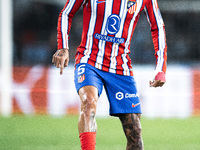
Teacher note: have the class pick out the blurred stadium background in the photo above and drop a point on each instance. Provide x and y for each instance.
(32, 93)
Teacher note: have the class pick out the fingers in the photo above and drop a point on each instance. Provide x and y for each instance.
(61, 66)
(61, 59)
(54, 57)
(66, 62)
(156, 83)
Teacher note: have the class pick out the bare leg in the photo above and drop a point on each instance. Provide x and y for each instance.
(132, 130)
(89, 97)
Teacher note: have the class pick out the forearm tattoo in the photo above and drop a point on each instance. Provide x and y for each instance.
(132, 129)
(62, 53)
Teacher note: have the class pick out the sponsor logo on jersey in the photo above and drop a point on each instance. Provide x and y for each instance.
(113, 24)
(112, 27)
(120, 95)
(132, 6)
(109, 38)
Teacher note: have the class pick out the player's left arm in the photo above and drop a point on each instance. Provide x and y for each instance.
(159, 40)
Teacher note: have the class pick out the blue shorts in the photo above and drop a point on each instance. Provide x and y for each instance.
(121, 90)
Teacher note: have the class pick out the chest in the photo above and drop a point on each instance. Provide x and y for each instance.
(121, 8)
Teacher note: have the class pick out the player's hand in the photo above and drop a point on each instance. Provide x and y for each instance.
(158, 80)
(61, 59)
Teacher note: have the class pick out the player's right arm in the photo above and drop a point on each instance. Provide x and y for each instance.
(65, 21)
(61, 56)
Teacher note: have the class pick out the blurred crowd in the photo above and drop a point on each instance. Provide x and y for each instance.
(35, 34)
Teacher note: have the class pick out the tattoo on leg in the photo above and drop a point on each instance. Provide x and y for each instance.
(132, 130)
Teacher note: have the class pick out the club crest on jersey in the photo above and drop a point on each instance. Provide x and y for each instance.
(132, 6)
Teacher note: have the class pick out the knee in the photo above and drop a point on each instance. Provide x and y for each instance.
(88, 105)
(133, 130)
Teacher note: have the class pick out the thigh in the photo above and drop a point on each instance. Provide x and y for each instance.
(122, 94)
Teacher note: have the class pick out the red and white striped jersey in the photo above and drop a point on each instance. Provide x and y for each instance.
(108, 26)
